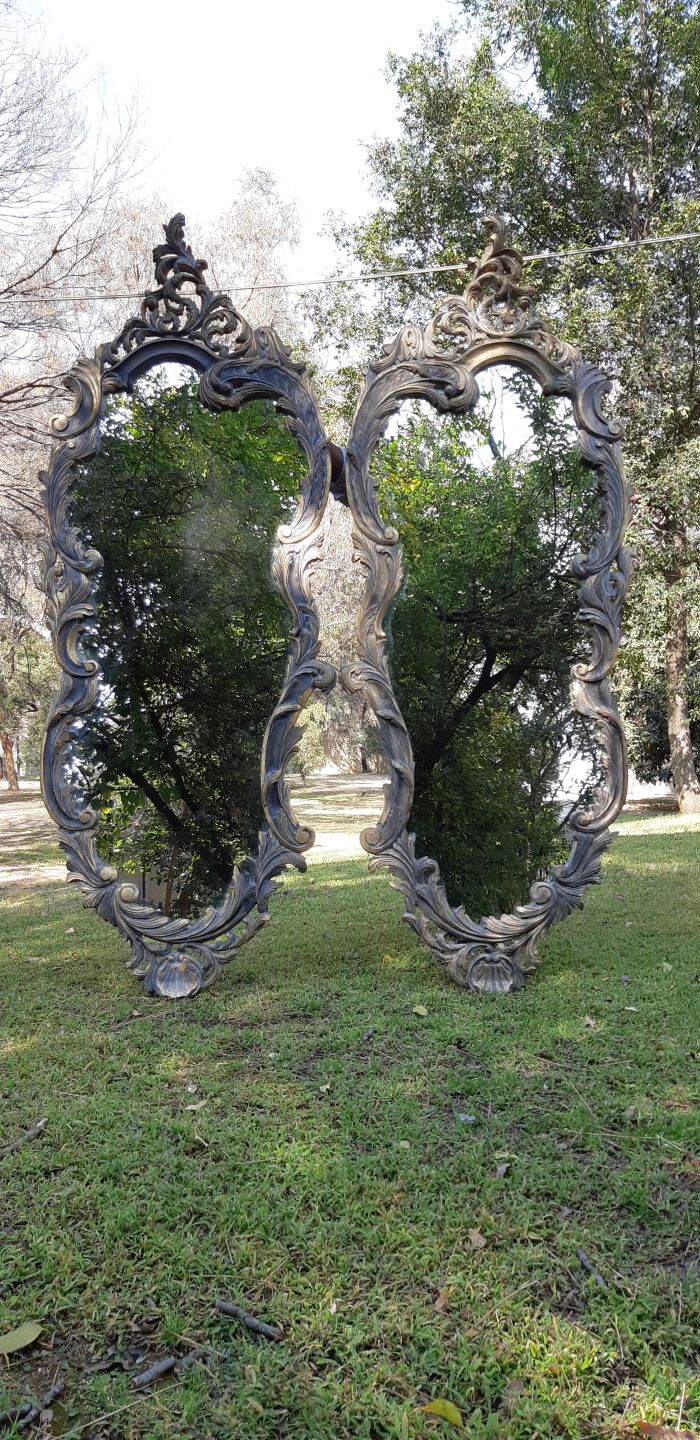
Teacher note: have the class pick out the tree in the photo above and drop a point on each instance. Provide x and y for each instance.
(58, 184)
(484, 631)
(190, 636)
(73, 238)
(27, 676)
(249, 245)
(579, 121)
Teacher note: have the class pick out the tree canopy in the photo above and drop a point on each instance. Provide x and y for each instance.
(190, 635)
(579, 122)
(484, 631)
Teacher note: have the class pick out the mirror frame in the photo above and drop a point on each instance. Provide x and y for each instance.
(181, 321)
(493, 322)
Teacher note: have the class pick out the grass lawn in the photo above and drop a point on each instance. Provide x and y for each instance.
(404, 1194)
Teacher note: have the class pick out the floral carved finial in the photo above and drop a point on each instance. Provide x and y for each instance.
(182, 304)
(495, 284)
(176, 267)
(496, 305)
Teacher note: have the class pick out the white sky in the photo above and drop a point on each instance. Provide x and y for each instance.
(228, 85)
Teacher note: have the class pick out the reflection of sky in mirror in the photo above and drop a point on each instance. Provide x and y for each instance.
(507, 415)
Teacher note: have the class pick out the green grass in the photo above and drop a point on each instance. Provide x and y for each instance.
(329, 1185)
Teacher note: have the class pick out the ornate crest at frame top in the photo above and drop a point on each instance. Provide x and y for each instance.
(495, 284)
(182, 305)
(497, 306)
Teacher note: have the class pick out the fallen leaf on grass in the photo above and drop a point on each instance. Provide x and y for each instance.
(589, 1021)
(664, 1432)
(19, 1339)
(477, 1239)
(323, 1089)
(443, 1296)
(420, 1010)
(445, 1410)
(197, 1106)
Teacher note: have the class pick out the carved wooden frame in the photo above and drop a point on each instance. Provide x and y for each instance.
(182, 320)
(494, 321)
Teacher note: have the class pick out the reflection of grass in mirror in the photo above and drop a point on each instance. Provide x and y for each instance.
(484, 632)
(328, 1184)
(191, 638)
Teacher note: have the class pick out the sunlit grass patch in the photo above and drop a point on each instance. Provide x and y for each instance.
(346, 1153)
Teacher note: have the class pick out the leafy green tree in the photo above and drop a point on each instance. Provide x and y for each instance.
(27, 676)
(483, 635)
(578, 120)
(190, 635)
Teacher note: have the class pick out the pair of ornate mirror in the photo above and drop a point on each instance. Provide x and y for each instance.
(189, 496)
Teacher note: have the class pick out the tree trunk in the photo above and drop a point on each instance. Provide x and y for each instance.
(683, 772)
(168, 901)
(9, 759)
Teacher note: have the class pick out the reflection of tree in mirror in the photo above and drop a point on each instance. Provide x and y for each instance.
(339, 727)
(490, 509)
(190, 636)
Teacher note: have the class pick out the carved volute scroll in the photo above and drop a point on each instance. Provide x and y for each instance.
(181, 320)
(493, 322)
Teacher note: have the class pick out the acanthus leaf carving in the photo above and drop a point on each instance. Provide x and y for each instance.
(182, 305)
(495, 320)
(178, 957)
(496, 306)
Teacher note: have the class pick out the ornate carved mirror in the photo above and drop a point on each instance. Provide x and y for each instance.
(489, 505)
(184, 499)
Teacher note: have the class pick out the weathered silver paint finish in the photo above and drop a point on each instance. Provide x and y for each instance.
(182, 320)
(493, 322)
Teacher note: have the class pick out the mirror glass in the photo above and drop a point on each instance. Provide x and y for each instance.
(189, 634)
(490, 507)
(339, 766)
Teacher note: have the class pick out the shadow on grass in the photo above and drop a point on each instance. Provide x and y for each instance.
(353, 1161)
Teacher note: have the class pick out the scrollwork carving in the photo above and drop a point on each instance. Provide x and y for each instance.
(495, 320)
(181, 320)
(496, 306)
(182, 305)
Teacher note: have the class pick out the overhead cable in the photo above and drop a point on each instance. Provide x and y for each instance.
(542, 256)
